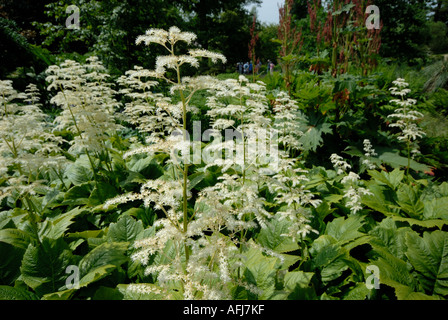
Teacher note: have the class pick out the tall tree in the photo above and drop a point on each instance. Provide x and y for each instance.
(221, 25)
(405, 31)
(440, 10)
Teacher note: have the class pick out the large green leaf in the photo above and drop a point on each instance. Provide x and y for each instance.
(55, 228)
(99, 262)
(428, 224)
(12, 293)
(100, 193)
(345, 229)
(260, 271)
(387, 236)
(59, 295)
(328, 256)
(429, 256)
(397, 161)
(43, 266)
(96, 274)
(80, 171)
(436, 208)
(16, 237)
(313, 130)
(359, 292)
(125, 230)
(79, 194)
(10, 261)
(392, 179)
(274, 237)
(148, 167)
(109, 253)
(395, 273)
(299, 284)
(381, 200)
(408, 197)
(407, 293)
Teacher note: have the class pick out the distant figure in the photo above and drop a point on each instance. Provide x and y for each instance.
(240, 67)
(258, 67)
(268, 67)
(246, 68)
(251, 67)
(271, 68)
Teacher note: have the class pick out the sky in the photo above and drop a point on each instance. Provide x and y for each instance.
(268, 12)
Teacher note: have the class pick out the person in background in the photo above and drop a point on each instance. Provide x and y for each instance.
(240, 67)
(246, 68)
(271, 68)
(258, 66)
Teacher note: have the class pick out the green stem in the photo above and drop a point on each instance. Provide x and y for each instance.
(33, 218)
(185, 171)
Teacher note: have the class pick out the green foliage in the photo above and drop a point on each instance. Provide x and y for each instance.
(439, 37)
(55, 218)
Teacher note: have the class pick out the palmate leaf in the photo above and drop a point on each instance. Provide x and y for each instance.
(395, 273)
(429, 256)
(390, 246)
(436, 209)
(313, 130)
(125, 230)
(274, 237)
(382, 199)
(392, 179)
(10, 261)
(16, 237)
(80, 171)
(94, 266)
(55, 228)
(298, 284)
(105, 255)
(43, 266)
(12, 293)
(387, 236)
(328, 256)
(78, 194)
(396, 161)
(428, 224)
(345, 229)
(408, 198)
(260, 271)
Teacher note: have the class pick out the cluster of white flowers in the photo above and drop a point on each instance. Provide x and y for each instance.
(168, 39)
(286, 117)
(351, 180)
(353, 196)
(339, 164)
(87, 102)
(162, 37)
(25, 150)
(192, 250)
(369, 152)
(150, 112)
(229, 204)
(406, 118)
(289, 186)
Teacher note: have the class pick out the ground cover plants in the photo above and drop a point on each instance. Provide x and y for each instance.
(162, 185)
